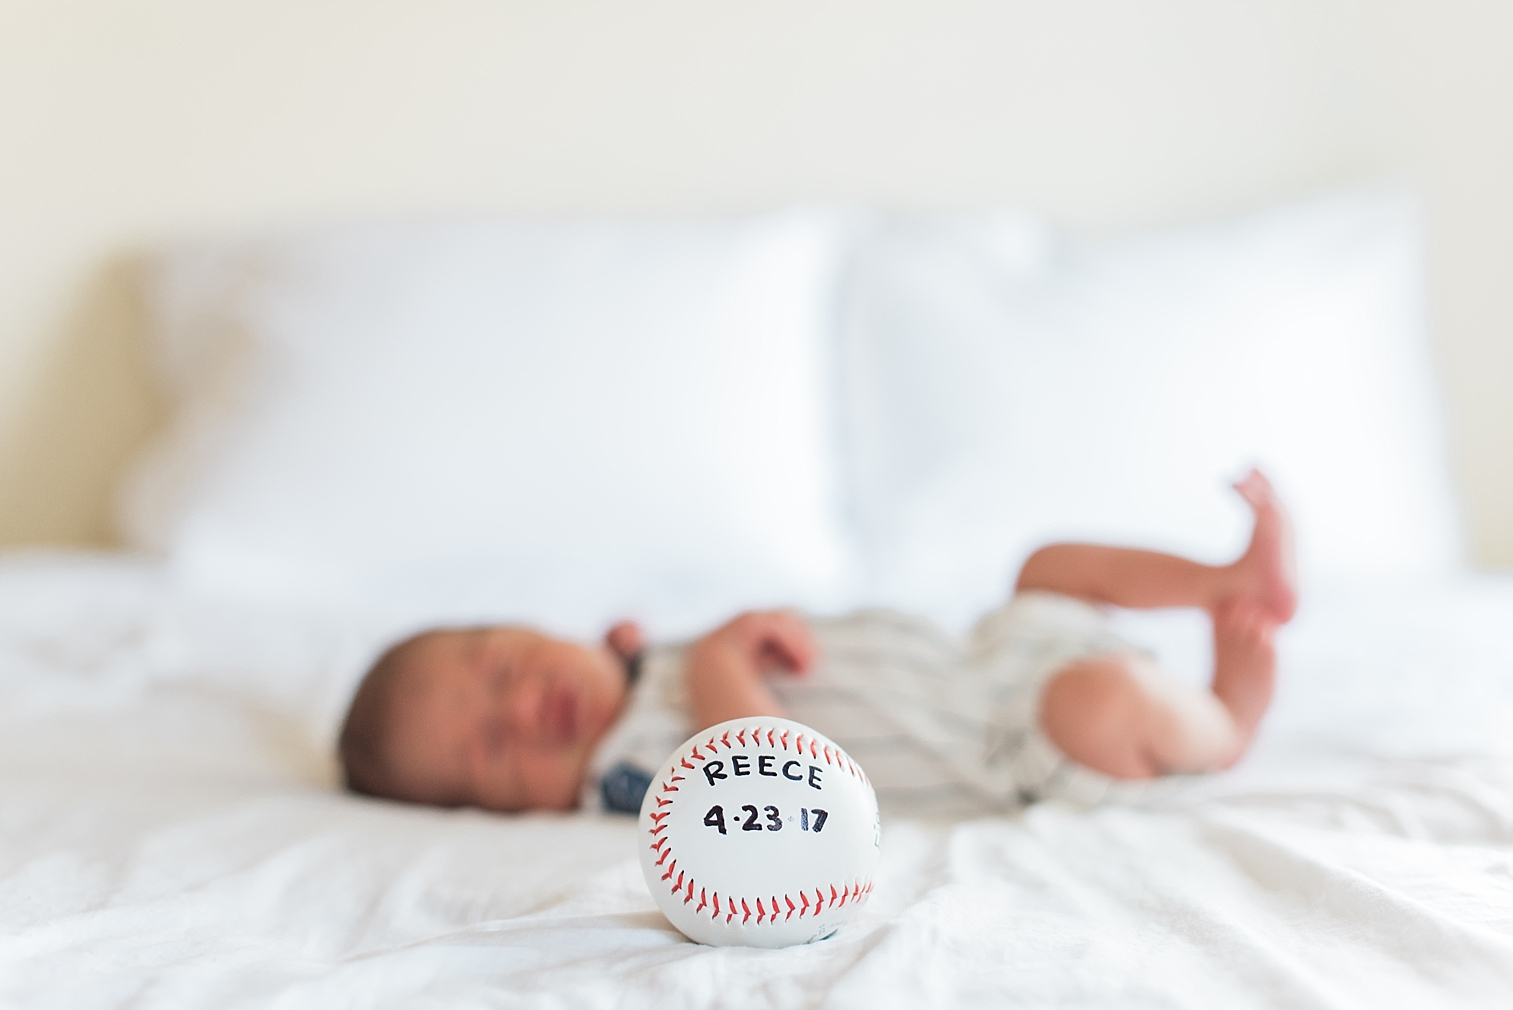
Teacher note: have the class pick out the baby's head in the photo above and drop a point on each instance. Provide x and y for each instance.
(503, 718)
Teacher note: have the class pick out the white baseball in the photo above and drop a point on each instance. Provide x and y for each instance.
(759, 832)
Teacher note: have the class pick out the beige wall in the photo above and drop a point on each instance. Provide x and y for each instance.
(122, 124)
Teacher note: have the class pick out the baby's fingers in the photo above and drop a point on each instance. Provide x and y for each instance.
(787, 642)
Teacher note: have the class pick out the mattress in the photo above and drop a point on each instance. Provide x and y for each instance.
(171, 834)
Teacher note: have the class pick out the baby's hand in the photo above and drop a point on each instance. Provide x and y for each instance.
(725, 667)
(764, 640)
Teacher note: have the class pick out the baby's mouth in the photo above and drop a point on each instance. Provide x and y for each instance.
(561, 714)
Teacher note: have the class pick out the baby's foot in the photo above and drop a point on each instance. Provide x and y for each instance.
(1266, 573)
(1245, 662)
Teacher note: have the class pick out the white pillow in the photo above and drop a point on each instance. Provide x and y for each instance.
(553, 422)
(1008, 386)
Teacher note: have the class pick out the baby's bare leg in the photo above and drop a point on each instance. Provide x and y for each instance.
(1118, 714)
(1126, 577)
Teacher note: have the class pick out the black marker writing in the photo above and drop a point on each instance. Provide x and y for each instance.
(812, 821)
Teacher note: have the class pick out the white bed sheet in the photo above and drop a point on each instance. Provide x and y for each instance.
(170, 835)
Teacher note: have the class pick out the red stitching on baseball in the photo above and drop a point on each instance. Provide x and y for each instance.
(760, 913)
(747, 909)
(703, 901)
(790, 908)
(663, 858)
(674, 866)
(741, 737)
(659, 843)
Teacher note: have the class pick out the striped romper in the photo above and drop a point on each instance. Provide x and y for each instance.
(944, 726)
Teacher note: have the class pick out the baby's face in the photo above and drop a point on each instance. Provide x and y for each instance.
(502, 718)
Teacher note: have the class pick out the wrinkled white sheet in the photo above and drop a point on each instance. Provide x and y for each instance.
(170, 835)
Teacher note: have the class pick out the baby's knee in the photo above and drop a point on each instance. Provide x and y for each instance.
(1097, 712)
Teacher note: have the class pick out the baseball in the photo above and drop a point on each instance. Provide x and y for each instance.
(759, 832)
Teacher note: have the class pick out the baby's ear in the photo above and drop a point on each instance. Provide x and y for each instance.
(625, 639)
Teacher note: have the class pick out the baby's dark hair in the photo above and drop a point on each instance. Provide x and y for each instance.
(366, 733)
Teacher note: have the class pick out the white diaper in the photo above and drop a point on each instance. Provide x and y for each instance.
(1018, 648)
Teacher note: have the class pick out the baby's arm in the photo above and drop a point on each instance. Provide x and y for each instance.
(726, 667)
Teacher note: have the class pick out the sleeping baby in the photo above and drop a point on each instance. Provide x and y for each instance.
(1040, 700)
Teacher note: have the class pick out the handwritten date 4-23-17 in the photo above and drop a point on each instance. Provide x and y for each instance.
(809, 819)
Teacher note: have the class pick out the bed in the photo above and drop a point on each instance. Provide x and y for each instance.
(174, 837)
(173, 830)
